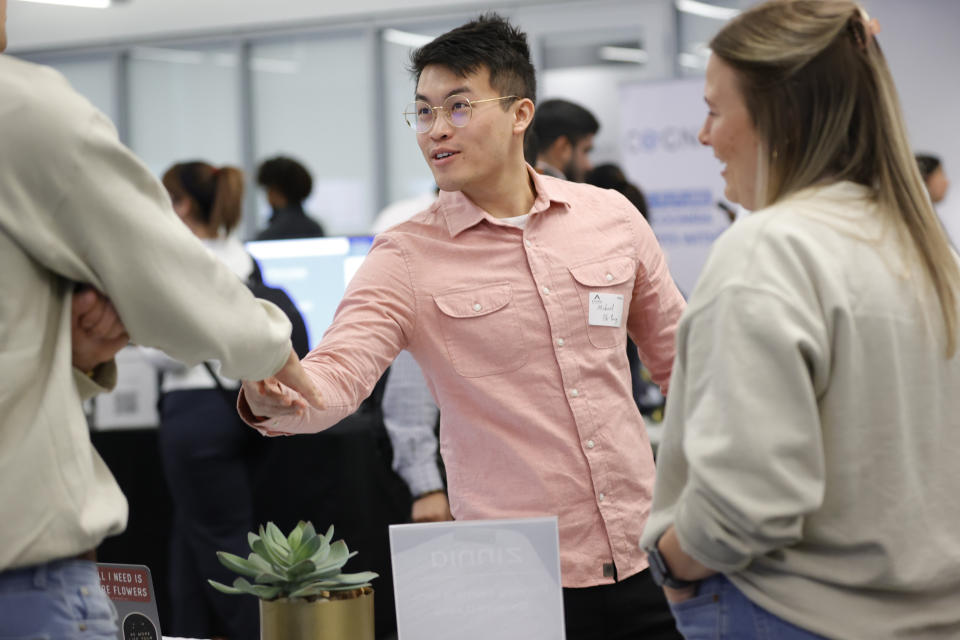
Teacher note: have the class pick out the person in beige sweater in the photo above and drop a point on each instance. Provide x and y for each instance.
(77, 208)
(807, 478)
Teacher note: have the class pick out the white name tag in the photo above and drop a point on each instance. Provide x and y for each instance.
(606, 309)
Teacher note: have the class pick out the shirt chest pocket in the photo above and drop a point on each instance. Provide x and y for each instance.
(481, 330)
(611, 278)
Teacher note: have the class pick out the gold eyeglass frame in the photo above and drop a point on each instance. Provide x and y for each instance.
(445, 111)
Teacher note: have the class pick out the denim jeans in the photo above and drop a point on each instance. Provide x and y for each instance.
(59, 600)
(720, 611)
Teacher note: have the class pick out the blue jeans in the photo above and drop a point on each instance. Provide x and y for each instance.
(720, 611)
(59, 600)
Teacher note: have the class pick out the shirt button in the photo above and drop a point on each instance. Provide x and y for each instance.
(559, 342)
(84, 591)
(546, 291)
(601, 496)
(82, 626)
(477, 306)
(590, 444)
(574, 393)
(528, 243)
(609, 277)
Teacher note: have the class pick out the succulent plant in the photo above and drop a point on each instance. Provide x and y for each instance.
(301, 565)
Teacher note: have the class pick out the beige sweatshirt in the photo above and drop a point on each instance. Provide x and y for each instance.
(77, 206)
(812, 440)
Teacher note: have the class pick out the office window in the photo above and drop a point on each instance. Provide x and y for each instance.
(184, 105)
(407, 173)
(313, 100)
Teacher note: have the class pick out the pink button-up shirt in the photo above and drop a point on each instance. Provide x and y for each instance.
(537, 416)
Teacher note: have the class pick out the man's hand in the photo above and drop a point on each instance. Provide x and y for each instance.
(96, 332)
(287, 393)
(432, 507)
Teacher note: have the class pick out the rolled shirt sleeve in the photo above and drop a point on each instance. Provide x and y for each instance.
(656, 304)
(372, 324)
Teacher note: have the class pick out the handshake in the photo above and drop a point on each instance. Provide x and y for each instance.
(97, 334)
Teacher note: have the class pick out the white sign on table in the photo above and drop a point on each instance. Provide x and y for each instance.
(476, 580)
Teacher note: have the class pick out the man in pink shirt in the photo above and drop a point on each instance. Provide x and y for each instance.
(515, 292)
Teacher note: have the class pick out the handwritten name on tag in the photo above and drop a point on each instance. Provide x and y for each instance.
(606, 309)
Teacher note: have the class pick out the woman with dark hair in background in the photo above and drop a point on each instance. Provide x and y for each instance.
(207, 451)
(931, 170)
(610, 176)
(807, 480)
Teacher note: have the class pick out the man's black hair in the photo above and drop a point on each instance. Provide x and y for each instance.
(287, 176)
(556, 118)
(927, 164)
(489, 41)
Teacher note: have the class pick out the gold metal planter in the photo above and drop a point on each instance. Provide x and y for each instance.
(346, 619)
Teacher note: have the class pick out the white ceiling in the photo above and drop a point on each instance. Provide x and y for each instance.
(32, 26)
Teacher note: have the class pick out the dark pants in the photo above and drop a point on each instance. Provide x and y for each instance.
(208, 457)
(632, 609)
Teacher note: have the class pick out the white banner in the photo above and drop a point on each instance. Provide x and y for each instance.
(679, 176)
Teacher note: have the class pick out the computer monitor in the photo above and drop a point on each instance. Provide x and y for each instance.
(313, 271)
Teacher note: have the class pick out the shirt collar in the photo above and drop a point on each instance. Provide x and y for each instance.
(461, 213)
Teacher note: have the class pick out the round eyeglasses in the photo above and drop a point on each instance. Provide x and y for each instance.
(457, 110)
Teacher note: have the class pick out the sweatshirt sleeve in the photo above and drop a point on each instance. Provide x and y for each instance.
(751, 439)
(89, 211)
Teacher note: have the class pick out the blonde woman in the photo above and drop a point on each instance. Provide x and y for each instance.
(807, 480)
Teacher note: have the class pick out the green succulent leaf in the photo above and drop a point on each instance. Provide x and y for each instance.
(237, 564)
(301, 569)
(259, 562)
(263, 549)
(308, 531)
(329, 535)
(268, 577)
(222, 588)
(337, 555)
(261, 591)
(362, 576)
(293, 540)
(308, 547)
(274, 533)
(251, 538)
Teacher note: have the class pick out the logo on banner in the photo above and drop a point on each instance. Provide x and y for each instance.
(669, 138)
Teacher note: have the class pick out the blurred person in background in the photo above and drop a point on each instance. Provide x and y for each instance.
(208, 454)
(563, 133)
(931, 170)
(807, 479)
(287, 184)
(611, 176)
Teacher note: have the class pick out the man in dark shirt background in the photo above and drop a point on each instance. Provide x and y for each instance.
(288, 184)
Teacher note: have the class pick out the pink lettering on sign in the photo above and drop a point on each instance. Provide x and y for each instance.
(125, 584)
